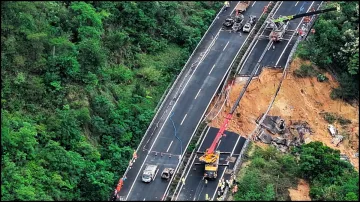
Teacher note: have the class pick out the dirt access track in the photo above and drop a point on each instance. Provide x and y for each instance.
(298, 99)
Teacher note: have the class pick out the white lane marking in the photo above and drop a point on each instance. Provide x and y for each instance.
(212, 69)
(141, 168)
(292, 35)
(232, 152)
(256, 41)
(156, 174)
(296, 3)
(253, 4)
(172, 109)
(242, 66)
(197, 67)
(207, 105)
(183, 119)
(202, 142)
(169, 146)
(192, 163)
(197, 93)
(222, 175)
(226, 45)
(203, 115)
(234, 8)
(271, 43)
(218, 145)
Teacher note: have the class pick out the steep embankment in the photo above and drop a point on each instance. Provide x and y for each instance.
(299, 99)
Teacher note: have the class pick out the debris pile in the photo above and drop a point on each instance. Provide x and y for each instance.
(284, 137)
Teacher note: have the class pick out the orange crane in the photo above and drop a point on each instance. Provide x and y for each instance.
(211, 156)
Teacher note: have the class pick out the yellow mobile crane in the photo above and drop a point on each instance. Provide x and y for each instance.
(211, 157)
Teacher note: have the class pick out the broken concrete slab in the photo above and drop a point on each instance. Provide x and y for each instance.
(337, 139)
(280, 147)
(344, 157)
(279, 140)
(307, 140)
(265, 138)
(272, 123)
(332, 130)
(283, 148)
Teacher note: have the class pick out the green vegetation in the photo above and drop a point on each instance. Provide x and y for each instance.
(271, 173)
(306, 70)
(321, 77)
(80, 81)
(330, 178)
(267, 177)
(329, 117)
(332, 117)
(335, 46)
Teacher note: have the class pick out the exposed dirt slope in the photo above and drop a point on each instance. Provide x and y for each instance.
(301, 193)
(299, 99)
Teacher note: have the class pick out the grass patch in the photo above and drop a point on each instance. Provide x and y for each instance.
(343, 121)
(306, 70)
(329, 117)
(332, 117)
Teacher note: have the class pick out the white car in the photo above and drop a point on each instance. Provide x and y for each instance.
(247, 27)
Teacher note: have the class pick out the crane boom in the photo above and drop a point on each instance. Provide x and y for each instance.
(292, 17)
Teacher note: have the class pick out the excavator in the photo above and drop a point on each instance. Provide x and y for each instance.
(279, 25)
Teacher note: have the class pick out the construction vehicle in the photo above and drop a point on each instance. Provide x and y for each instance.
(149, 173)
(279, 25)
(211, 156)
(242, 6)
(251, 22)
(167, 173)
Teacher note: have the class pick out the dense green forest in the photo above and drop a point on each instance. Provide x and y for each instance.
(271, 173)
(335, 46)
(79, 85)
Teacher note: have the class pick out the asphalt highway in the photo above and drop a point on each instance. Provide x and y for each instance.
(277, 57)
(194, 188)
(164, 147)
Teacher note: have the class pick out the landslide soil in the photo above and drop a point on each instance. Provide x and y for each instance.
(298, 99)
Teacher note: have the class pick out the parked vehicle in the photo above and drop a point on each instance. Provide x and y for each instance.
(149, 173)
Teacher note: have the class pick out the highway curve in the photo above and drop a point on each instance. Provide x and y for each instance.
(187, 110)
(194, 188)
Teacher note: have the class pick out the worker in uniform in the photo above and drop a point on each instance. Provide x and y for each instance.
(227, 5)
(183, 181)
(206, 182)
(207, 197)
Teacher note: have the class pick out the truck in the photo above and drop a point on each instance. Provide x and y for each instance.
(248, 25)
(149, 173)
(211, 165)
(242, 6)
(280, 25)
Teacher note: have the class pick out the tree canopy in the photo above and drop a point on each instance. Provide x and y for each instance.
(79, 85)
(335, 45)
